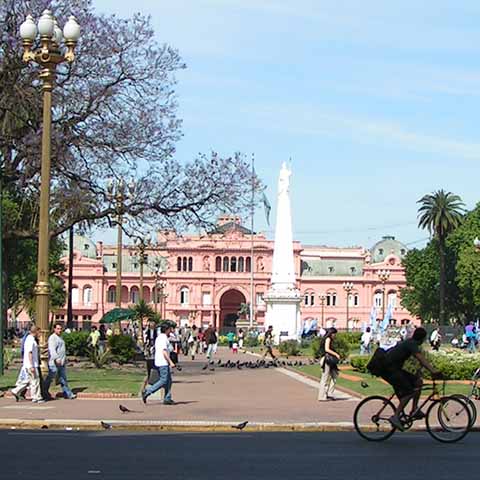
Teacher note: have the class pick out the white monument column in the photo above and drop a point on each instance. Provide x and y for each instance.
(283, 298)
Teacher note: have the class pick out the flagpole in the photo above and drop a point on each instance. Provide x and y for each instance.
(252, 263)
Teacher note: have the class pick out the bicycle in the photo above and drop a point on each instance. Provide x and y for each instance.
(474, 393)
(448, 418)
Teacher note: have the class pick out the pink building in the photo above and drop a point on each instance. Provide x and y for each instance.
(205, 279)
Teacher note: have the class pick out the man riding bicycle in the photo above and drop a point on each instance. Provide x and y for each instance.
(406, 385)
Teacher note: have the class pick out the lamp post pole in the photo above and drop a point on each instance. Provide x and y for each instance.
(348, 287)
(383, 275)
(322, 298)
(117, 192)
(47, 56)
(141, 244)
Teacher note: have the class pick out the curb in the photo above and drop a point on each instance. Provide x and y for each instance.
(173, 426)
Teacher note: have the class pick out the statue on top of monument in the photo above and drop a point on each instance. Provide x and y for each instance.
(284, 180)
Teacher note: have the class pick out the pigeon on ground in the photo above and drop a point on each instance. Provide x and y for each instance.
(105, 425)
(219, 362)
(44, 427)
(240, 426)
(205, 367)
(364, 384)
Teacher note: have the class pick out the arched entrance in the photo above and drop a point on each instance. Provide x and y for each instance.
(230, 303)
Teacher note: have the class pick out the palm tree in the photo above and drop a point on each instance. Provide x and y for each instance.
(141, 311)
(440, 213)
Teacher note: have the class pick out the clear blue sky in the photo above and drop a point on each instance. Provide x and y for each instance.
(375, 101)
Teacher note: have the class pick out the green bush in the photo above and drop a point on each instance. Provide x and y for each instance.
(222, 341)
(251, 341)
(359, 362)
(122, 348)
(76, 343)
(289, 347)
(340, 345)
(352, 338)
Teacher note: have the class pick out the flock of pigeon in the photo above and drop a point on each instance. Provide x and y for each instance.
(257, 364)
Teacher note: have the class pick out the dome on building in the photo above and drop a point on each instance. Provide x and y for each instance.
(84, 245)
(387, 246)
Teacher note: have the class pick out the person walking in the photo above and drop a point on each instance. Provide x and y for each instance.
(329, 364)
(210, 340)
(435, 339)
(94, 337)
(365, 342)
(471, 337)
(163, 365)
(31, 363)
(268, 343)
(192, 342)
(57, 359)
(149, 337)
(241, 338)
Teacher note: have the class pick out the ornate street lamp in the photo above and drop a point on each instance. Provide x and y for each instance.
(48, 55)
(141, 244)
(118, 192)
(348, 287)
(383, 276)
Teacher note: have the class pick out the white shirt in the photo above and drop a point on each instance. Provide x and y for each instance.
(30, 345)
(161, 344)
(366, 338)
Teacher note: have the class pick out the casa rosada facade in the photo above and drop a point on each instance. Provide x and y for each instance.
(205, 280)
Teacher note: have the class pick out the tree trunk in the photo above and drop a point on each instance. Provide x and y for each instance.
(442, 282)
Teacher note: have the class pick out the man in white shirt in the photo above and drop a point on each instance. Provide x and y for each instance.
(365, 341)
(163, 364)
(31, 363)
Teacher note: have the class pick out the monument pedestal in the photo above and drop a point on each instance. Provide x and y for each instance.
(283, 313)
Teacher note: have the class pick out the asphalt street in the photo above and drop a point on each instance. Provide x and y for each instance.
(240, 455)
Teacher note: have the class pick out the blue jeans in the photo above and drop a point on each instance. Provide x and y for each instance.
(471, 344)
(165, 381)
(62, 376)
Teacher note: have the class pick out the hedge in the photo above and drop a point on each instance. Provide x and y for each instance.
(289, 347)
(76, 343)
(453, 365)
(122, 348)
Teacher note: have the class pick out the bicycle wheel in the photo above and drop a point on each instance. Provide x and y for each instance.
(448, 420)
(371, 418)
(470, 404)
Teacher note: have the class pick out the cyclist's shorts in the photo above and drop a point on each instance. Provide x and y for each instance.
(403, 382)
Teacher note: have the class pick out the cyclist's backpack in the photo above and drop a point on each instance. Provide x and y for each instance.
(376, 365)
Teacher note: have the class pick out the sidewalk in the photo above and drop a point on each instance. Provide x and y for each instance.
(270, 398)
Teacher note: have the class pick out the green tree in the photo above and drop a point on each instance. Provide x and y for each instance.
(467, 263)
(440, 213)
(422, 272)
(142, 311)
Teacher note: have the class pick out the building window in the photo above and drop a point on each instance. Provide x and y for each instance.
(218, 264)
(356, 300)
(134, 295)
(259, 298)
(59, 318)
(309, 299)
(75, 295)
(135, 266)
(233, 264)
(248, 265)
(225, 264)
(353, 270)
(206, 298)
(111, 294)
(179, 264)
(184, 296)
(114, 265)
(241, 264)
(184, 264)
(402, 251)
(87, 295)
(331, 299)
(331, 269)
(392, 298)
(380, 251)
(378, 299)
(86, 246)
(87, 318)
(190, 264)
(306, 299)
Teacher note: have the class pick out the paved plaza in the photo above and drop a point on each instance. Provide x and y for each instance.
(263, 395)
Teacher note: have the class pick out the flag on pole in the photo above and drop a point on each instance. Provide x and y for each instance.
(267, 207)
(388, 317)
(373, 318)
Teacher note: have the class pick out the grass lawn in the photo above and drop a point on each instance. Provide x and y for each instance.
(375, 385)
(92, 380)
